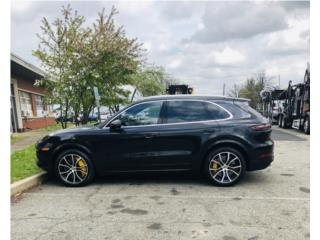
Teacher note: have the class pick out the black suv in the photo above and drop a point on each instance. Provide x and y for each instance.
(217, 136)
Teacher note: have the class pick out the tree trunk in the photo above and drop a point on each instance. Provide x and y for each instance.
(65, 117)
(63, 124)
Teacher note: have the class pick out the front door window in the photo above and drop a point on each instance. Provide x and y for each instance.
(142, 114)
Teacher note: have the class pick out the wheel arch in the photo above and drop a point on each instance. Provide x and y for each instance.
(67, 146)
(237, 144)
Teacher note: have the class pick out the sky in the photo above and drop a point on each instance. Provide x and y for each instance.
(202, 44)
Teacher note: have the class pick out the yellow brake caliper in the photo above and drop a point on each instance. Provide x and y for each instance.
(215, 167)
(82, 167)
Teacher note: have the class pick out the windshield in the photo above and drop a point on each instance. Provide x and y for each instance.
(105, 121)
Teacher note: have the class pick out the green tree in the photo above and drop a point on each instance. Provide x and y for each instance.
(253, 87)
(150, 81)
(55, 51)
(78, 58)
(234, 91)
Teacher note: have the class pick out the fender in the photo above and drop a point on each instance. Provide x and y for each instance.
(68, 145)
(232, 140)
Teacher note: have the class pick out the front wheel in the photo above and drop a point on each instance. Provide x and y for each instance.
(224, 166)
(74, 168)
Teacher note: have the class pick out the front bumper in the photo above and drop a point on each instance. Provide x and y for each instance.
(43, 161)
(44, 156)
(261, 157)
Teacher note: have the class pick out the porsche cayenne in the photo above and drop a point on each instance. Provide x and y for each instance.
(219, 137)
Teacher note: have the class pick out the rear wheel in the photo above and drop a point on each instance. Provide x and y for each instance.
(284, 122)
(306, 126)
(280, 121)
(74, 168)
(224, 166)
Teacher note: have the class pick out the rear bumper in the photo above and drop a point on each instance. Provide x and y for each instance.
(261, 157)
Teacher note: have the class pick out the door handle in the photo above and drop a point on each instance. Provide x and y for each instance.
(150, 135)
(208, 131)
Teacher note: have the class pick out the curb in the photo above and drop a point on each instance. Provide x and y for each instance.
(27, 183)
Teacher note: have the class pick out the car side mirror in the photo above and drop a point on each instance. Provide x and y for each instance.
(115, 125)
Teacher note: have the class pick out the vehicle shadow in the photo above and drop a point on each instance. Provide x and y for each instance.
(255, 177)
(136, 179)
(151, 178)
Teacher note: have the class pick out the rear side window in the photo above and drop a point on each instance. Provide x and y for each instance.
(236, 110)
(245, 106)
(240, 109)
(216, 112)
(193, 111)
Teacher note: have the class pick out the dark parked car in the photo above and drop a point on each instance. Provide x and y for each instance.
(220, 137)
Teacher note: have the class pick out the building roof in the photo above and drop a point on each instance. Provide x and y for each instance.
(21, 67)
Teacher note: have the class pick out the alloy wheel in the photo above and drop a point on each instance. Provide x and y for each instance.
(73, 169)
(225, 167)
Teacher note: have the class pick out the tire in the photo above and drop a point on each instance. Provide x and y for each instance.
(228, 175)
(306, 126)
(280, 121)
(284, 122)
(74, 168)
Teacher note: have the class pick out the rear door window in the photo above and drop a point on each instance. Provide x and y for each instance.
(193, 111)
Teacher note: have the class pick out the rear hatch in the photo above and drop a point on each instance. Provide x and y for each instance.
(262, 129)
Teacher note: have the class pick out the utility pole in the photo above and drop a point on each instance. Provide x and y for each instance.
(97, 98)
(279, 81)
(224, 89)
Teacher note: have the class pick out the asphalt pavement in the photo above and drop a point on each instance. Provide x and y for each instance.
(268, 204)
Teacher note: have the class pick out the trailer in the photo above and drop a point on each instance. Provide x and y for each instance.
(270, 104)
(179, 89)
(295, 110)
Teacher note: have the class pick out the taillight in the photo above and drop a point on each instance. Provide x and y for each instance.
(261, 127)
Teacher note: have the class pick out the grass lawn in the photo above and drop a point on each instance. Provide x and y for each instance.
(16, 138)
(23, 163)
(55, 127)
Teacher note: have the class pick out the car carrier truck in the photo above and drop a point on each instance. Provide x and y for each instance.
(295, 110)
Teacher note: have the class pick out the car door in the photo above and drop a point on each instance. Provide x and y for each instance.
(133, 146)
(187, 124)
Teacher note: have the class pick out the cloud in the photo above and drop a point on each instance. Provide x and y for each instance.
(294, 5)
(175, 63)
(226, 41)
(305, 34)
(180, 10)
(227, 56)
(239, 20)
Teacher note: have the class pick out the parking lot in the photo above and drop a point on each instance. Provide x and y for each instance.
(268, 204)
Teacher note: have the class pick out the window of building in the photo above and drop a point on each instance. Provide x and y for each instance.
(39, 106)
(26, 104)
